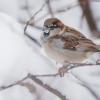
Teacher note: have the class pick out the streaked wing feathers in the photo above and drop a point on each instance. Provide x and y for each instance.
(75, 43)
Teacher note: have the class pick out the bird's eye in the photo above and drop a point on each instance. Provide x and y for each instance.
(52, 26)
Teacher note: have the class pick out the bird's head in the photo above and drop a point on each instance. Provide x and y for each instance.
(52, 27)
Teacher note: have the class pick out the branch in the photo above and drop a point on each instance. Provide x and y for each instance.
(95, 0)
(51, 12)
(33, 39)
(50, 8)
(46, 86)
(69, 7)
(75, 65)
(85, 5)
(72, 65)
(40, 83)
(11, 85)
(84, 84)
(28, 23)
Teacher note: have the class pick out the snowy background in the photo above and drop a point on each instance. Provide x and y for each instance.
(19, 55)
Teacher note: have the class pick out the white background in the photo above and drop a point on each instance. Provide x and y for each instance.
(19, 56)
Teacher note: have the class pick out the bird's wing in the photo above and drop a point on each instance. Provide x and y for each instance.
(75, 43)
(74, 32)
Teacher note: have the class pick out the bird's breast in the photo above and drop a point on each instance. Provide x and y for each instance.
(61, 55)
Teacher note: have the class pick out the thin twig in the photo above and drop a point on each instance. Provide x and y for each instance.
(95, 0)
(48, 75)
(45, 86)
(71, 6)
(84, 84)
(29, 21)
(33, 39)
(31, 25)
(50, 8)
(15, 83)
(61, 10)
(49, 88)
(39, 82)
(85, 5)
(75, 65)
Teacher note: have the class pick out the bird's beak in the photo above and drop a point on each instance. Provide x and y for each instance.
(46, 30)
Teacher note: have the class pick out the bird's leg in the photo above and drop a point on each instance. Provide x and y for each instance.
(64, 69)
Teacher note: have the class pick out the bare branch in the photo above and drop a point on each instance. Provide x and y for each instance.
(84, 84)
(34, 40)
(85, 5)
(75, 65)
(95, 0)
(50, 8)
(69, 7)
(39, 82)
(46, 86)
(11, 85)
(72, 65)
(29, 21)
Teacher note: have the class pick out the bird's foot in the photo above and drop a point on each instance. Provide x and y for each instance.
(63, 70)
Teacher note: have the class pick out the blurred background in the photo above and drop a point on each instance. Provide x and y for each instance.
(22, 53)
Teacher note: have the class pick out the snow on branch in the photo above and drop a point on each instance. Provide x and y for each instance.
(38, 81)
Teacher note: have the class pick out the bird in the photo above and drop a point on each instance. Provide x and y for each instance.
(65, 44)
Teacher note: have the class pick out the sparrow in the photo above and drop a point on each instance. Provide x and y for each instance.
(65, 44)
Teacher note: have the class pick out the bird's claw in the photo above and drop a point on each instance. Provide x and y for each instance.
(62, 71)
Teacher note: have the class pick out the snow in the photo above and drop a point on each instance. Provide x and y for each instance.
(16, 56)
(19, 56)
